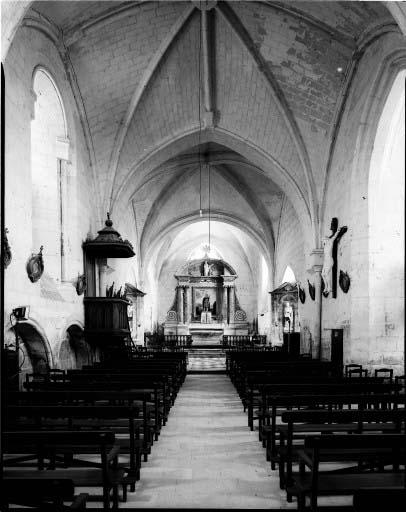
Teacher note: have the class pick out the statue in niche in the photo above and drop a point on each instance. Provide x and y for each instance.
(205, 317)
(330, 255)
(288, 317)
(206, 303)
(206, 268)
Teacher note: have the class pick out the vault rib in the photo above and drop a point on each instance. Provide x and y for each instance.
(136, 99)
(235, 23)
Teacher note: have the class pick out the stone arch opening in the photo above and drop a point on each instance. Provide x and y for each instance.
(34, 355)
(241, 250)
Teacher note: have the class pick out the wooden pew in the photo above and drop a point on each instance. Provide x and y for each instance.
(330, 448)
(170, 376)
(47, 444)
(305, 387)
(145, 384)
(119, 419)
(378, 499)
(165, 385)
(301, 424)
(44, 495)
(274, 405)
(143, 399)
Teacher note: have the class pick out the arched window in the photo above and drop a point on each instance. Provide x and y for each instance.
(49, 155)
(386, 230)
(288, 276)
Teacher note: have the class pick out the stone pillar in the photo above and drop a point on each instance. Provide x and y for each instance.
(180, 304)
(270, 319)
(63, 199)
(232, 304)
(316, 325)
(224, 305)
(65, 169)
(188, 305)
(102, 264)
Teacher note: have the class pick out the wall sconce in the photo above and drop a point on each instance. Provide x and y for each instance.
(21, 313)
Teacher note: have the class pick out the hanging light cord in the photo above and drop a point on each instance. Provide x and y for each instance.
(209, 206)
(200, 119)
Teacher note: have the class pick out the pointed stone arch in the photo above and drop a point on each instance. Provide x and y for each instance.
(254, 158)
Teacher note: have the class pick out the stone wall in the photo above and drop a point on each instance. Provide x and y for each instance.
(347, 198)
(54, 305)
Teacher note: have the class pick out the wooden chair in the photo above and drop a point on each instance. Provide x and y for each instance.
(386, 373)
(357, 372)
(349, 367)
(400, 381)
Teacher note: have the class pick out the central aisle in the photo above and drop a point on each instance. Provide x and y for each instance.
(206, 456)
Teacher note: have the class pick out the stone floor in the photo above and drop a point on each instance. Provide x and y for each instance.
(209, 360)
(206, 457)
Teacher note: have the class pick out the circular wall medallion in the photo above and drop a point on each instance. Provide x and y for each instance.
(240, 316)
(172, 316)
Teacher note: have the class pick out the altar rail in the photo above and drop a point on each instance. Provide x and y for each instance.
(238, 341)
(178, 340)
(169, 341)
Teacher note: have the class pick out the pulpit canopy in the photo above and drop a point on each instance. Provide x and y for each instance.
(109, 244)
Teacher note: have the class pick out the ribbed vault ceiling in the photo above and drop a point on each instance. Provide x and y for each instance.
(262, 119)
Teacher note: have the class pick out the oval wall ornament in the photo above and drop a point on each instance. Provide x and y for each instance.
(312, 290)
(7, 250)
(302, 295)
(35, 266)
(344, 281)
(80, 284)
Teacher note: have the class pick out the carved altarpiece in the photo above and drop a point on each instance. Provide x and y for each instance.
(205, 299)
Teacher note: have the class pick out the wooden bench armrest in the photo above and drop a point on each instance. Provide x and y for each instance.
(304, 457)
(79, 502)
(114, 452)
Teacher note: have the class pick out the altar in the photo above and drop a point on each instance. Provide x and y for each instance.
(205, 317)
(206, 303)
